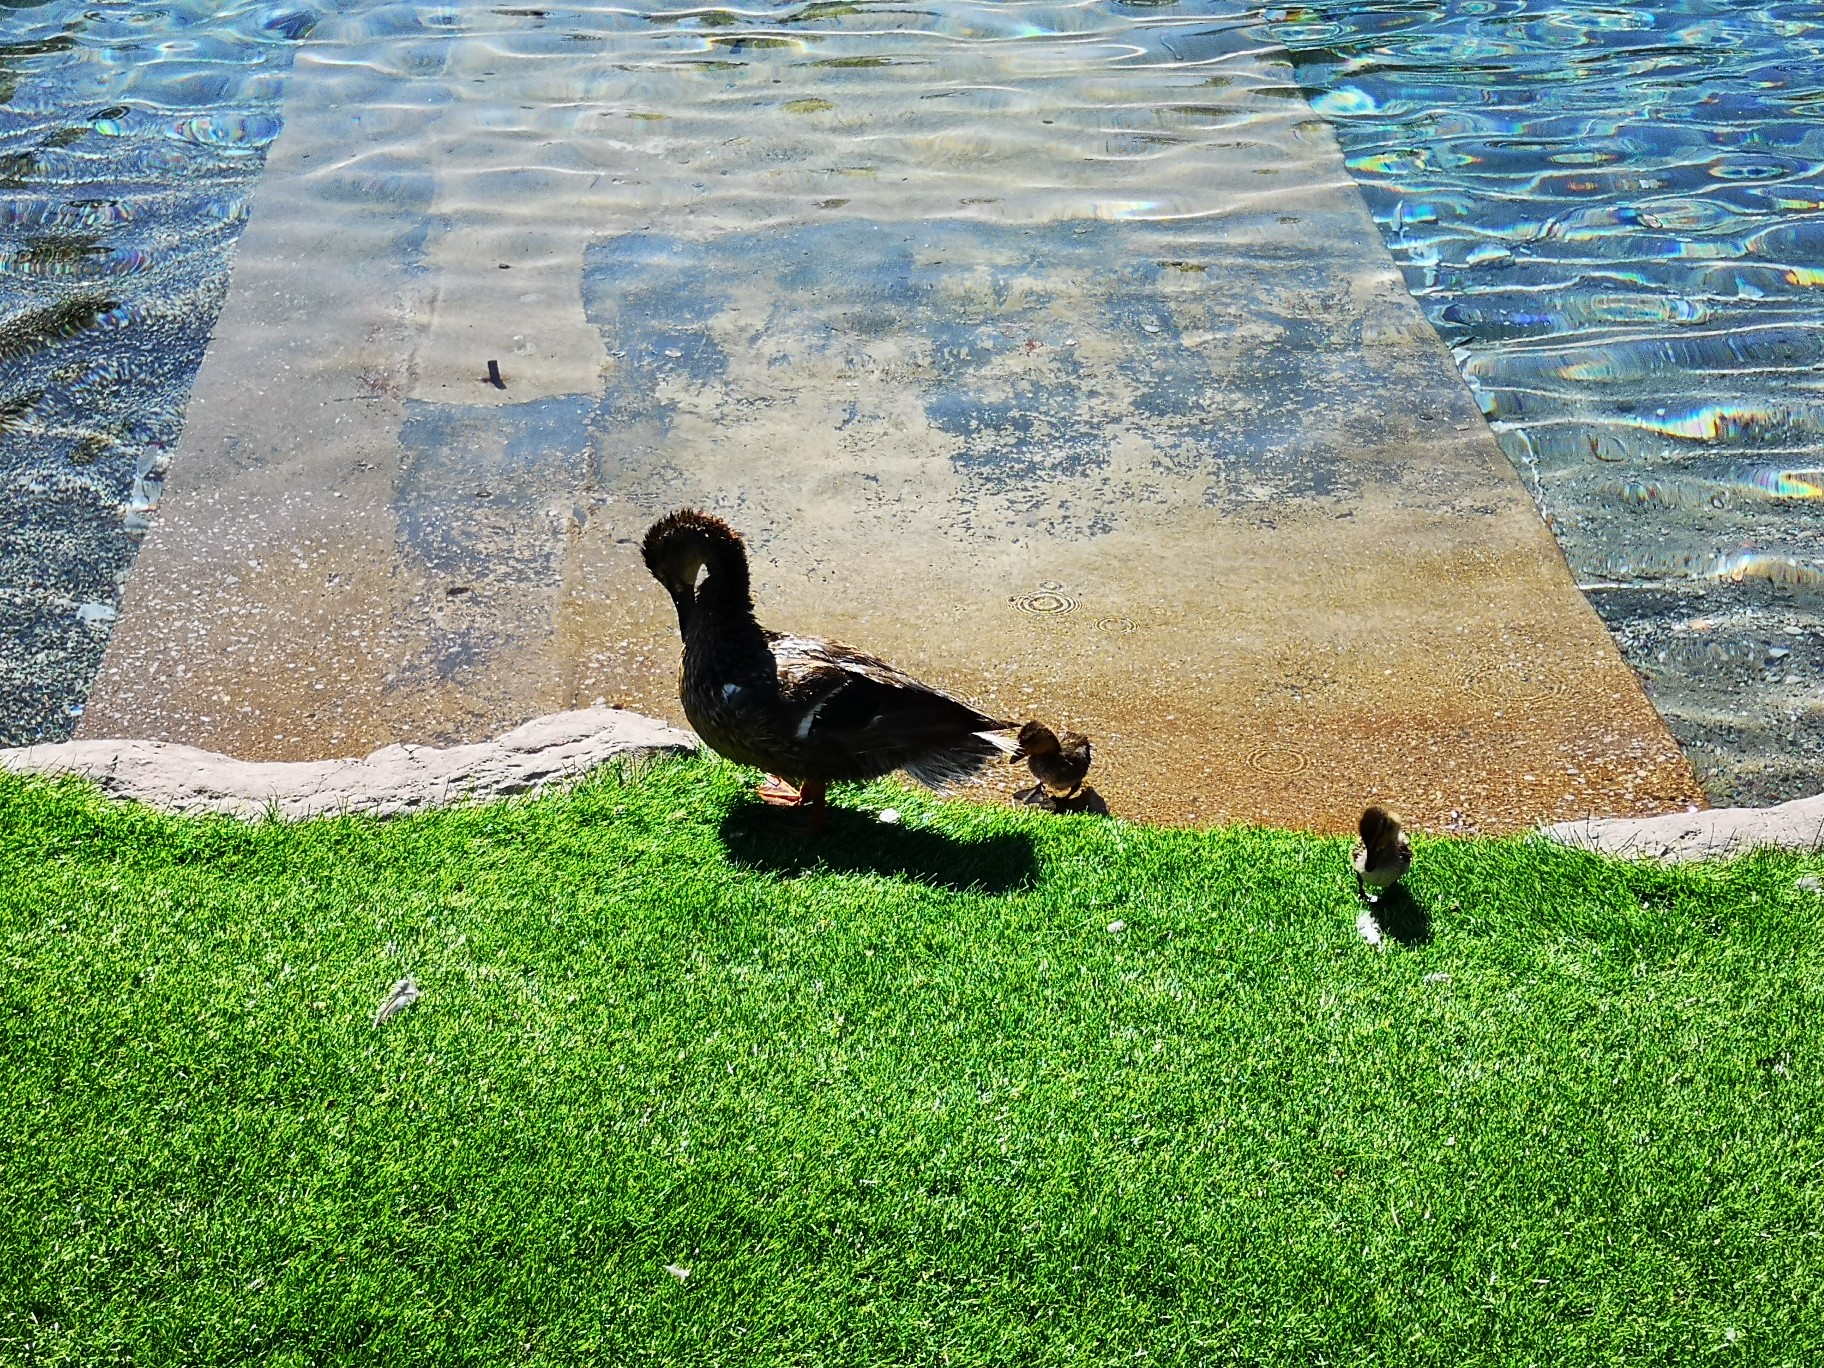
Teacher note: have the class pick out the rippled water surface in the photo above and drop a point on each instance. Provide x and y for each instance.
(132, 134)
(1615, 216)
(1612, 214)
(130, 138)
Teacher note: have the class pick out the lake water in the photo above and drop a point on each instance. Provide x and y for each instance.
(1607, 214)
(131, 137)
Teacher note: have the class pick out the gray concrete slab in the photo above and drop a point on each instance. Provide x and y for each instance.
(1062, 366)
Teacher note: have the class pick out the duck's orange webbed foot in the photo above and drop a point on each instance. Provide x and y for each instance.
(776, 792)
(813, 793)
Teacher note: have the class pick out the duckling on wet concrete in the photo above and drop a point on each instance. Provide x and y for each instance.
(810, 712)
(1382, 855)
(1059, 763)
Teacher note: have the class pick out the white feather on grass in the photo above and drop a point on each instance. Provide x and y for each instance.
(404, 994)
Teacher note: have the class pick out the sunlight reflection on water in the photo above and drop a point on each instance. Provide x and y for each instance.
(1615, 216)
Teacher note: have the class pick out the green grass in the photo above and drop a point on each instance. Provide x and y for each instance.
(896, 1097)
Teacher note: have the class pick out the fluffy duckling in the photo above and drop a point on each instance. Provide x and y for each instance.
(810, 712)
(1059, 763)
(1382, 855)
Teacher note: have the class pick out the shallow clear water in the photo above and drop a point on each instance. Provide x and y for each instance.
(1615, 216)
(131, 136)
(497, 124)
(1611, 215)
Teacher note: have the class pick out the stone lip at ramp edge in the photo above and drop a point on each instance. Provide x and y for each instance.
(564, 747)
(396, 779)
(1704, 835)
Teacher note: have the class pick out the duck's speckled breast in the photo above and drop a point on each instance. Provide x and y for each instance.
(731, 718)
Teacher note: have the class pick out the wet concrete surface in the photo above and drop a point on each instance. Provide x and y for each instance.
(1198, 480)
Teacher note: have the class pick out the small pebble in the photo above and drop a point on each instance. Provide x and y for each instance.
(889, 816)
(1810, 884)
(1437, 978)
(1117, 927)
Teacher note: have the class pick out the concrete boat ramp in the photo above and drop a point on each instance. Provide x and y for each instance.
(1062, 367)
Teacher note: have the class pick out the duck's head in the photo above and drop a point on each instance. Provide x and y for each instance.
(1378, 828)
(695, 554)
(1037, 739)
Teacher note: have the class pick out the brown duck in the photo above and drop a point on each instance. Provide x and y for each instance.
(1059, 763)
(809, 712)
(1382, 855)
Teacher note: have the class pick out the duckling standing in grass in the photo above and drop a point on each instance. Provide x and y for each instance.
(810, 712)
(1059, 763)
(1382, 855)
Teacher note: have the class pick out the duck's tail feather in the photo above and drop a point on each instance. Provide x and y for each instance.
(1004, 743)
(939, 769)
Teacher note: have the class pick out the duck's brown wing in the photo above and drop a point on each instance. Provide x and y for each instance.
(1075, 752)
(857, 716)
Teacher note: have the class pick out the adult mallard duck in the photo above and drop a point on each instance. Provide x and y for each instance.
(809, 712)
(1059, 763)
(1382, 855)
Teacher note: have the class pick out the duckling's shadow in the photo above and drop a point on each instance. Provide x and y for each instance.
(1401, 917)
(765, 838)
(1084, 800)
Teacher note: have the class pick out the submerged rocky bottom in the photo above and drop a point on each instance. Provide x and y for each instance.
(1737, 671)
(60, 571)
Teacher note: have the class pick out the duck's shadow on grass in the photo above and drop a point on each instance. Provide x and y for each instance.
(1402, 918)
(763, 838)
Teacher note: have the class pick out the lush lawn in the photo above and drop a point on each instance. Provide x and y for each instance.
(901, 1096)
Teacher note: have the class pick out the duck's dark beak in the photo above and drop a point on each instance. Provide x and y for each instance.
(684, 599)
